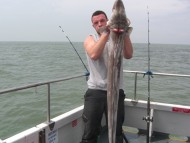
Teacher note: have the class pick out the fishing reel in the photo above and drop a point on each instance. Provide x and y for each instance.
(148, 119)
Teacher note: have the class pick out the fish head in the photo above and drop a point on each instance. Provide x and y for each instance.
(118, 22)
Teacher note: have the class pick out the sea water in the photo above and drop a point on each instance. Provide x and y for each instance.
(24, 63)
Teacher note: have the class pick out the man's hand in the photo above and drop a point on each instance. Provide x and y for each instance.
(104, 29)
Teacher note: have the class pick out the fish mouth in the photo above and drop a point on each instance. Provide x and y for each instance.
(118, 30)
(118, 25)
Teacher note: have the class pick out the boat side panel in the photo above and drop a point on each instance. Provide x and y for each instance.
(165, 118)
(29, 136)
(68, 128)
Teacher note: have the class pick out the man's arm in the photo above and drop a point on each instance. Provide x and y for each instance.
(128, 49)
(95, 48)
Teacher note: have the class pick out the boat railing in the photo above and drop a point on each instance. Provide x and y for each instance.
(136, 73)
(46, 83)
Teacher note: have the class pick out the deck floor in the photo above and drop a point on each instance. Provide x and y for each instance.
(136, 137)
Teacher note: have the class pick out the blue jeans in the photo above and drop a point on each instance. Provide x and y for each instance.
(95, 104)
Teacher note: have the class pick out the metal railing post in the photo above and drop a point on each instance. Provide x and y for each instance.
(135, 87)
(48, 104)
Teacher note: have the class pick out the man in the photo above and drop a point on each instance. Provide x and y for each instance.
(95, 104)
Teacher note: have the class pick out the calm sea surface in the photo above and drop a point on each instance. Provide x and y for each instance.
(23, 63)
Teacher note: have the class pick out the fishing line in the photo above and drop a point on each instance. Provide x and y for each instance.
(148, 118)
(75, 51)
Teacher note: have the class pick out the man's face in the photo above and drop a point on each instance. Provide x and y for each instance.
(99, 21)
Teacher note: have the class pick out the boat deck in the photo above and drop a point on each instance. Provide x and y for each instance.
(135, 136)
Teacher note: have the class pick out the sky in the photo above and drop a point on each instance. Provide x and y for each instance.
(39, 20)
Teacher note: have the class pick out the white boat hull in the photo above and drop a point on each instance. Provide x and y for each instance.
(68, 127)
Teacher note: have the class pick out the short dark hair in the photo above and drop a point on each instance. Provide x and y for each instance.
(98, 12)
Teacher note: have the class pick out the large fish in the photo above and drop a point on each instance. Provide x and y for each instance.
(118, 25)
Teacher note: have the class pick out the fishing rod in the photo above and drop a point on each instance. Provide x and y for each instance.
(148, 118)
(87, 73)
